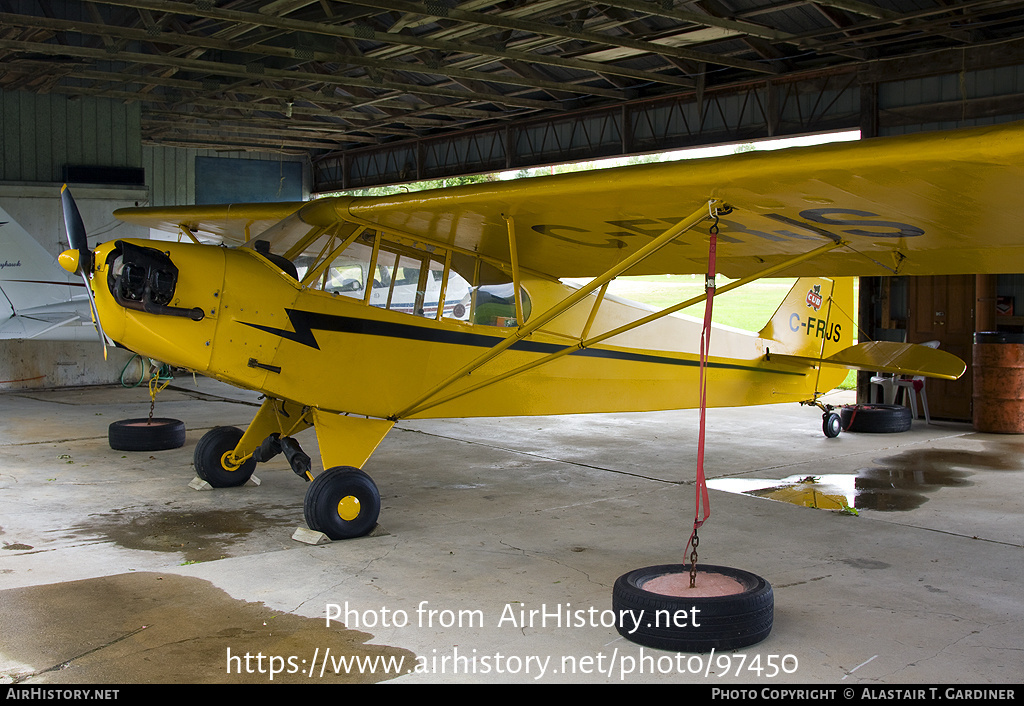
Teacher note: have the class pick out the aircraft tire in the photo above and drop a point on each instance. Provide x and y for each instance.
(831, 424)
(876, 418)
(209, 454)
(144, 434)
(342, 502)
(703, 623)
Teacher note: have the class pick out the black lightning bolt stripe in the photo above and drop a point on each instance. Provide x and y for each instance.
(304, 323)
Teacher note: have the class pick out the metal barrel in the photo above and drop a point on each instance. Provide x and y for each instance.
(998, 393)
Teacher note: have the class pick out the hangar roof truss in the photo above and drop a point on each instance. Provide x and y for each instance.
(319, 76)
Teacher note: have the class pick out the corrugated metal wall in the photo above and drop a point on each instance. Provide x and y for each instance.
(41, 133)
(170, 175)
(963, 99)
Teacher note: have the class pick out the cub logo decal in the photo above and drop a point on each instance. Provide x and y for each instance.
(814, 297)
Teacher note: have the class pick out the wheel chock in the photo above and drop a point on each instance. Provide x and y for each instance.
(198, 483)
(308, 536)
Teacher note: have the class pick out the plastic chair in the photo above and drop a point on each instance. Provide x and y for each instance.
(887, 381)
(914, 385)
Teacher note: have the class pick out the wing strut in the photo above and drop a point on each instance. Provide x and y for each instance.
(514, 260)
(572, 300)
(590, 342)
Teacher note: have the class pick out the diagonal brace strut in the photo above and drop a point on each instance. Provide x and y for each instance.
(594, 340)
(701, 214)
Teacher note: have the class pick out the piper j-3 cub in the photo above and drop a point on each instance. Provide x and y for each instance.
(351, 314)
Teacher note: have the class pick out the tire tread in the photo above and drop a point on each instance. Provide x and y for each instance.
(726, 622)
(208, 451)
(876, 418)
(140, 435)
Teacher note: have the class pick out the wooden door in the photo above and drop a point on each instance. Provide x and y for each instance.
(942, 308)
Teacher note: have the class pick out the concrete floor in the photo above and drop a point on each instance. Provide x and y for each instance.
(112, 570)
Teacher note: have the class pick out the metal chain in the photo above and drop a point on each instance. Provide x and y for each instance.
(155, 386)
(693, 560)
(152, 396)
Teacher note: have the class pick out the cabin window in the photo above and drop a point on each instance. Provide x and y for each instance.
(349, 272)
(346, 275)
(493, 299)
(412, 279)
(401, 285)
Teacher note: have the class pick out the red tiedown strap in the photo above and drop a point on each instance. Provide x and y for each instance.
(705, 344)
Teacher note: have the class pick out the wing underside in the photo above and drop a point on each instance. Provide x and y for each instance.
(27, 327)
(232, 224)
(935, 203)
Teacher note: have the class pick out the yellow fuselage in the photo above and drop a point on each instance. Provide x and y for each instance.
(262, 330)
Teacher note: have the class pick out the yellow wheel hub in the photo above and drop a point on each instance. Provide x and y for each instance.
(348, 508)
(228, 462)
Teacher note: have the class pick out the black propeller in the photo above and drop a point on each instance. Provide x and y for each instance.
(75, 229)
(78, 241)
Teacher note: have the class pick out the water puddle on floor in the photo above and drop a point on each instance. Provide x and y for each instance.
(901, 482)
(199, 535)
(168, 629)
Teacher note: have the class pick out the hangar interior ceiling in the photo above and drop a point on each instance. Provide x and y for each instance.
(385, 91)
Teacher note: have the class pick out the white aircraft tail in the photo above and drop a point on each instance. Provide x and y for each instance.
(815, 320)
(36, 294)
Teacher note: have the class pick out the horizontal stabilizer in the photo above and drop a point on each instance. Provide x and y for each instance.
(889, 357)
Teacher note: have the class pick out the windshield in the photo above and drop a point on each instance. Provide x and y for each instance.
(282, 237)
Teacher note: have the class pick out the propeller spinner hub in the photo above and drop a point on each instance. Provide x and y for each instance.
(70, 260)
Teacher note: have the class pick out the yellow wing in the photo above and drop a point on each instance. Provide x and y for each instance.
(935, 203)
(229, 223)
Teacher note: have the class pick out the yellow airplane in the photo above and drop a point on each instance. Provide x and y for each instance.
(350, 314)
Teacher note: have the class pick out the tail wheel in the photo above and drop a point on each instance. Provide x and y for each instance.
(342, 502)
(214, 458)
(831, 424)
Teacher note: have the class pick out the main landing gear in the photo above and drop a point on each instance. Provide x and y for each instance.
(342, 502)
(215, 458)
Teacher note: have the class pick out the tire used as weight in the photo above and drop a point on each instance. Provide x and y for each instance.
(721, 622)
(157, 434)
(876, 418)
